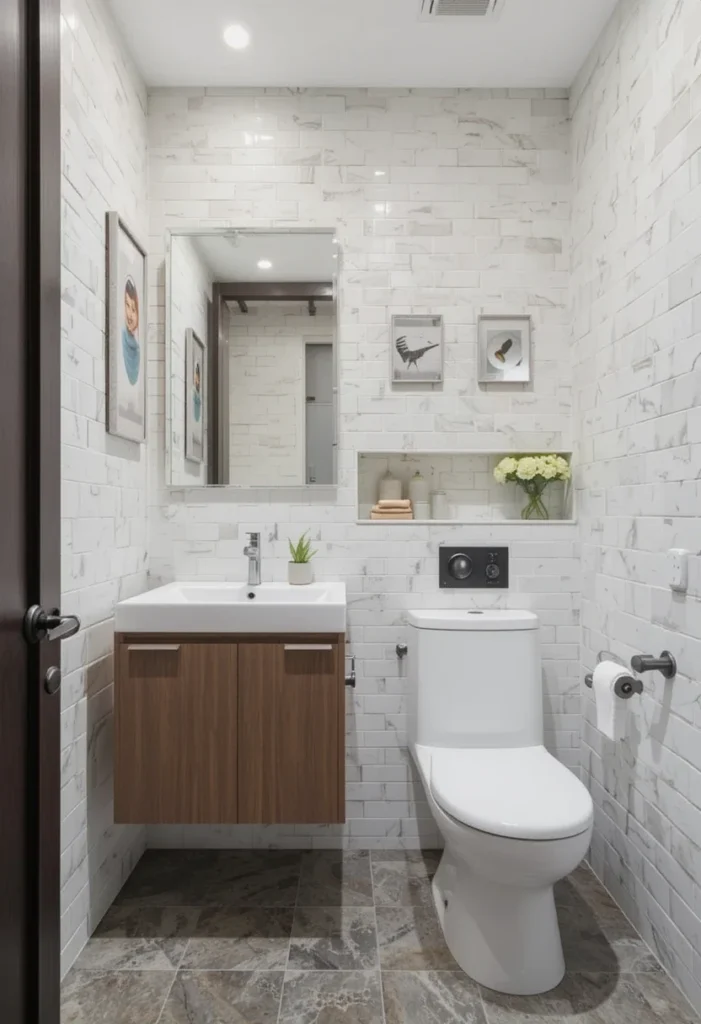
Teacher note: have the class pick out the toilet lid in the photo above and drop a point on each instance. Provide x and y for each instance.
(520, 792)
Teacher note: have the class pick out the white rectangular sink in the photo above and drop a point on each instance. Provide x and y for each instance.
(235, 608)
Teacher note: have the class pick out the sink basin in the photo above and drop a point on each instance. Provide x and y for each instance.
(235, 608)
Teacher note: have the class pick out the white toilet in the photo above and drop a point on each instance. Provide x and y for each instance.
(513, 818)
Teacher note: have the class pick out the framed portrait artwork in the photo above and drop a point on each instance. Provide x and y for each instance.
(195, 411)
(126, 332)
(504, 344)
(417, 349)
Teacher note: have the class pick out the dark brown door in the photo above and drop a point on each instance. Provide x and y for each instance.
(29, 508)
(175, 733)
(291, 749)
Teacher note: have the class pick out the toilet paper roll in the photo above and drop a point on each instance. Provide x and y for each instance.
(611, 711)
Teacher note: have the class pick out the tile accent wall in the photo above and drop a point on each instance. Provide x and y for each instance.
(636, 285)
(103, 119)
(444, 201)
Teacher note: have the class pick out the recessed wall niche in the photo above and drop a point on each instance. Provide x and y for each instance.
(467, 478)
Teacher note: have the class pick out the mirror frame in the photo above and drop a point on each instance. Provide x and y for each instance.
(246, 490)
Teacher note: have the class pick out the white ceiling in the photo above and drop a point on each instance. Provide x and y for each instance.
(295, 256)
(357, 43)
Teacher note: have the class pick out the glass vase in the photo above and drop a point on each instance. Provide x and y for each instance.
(535, 507)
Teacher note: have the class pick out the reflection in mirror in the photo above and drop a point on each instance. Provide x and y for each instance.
(251, 358)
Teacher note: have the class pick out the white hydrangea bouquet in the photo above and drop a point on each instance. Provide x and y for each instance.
(533, 473)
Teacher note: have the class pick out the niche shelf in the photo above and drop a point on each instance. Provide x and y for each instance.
(467, 477)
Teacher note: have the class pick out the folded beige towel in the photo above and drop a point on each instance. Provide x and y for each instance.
(389, 515)
(400, 503)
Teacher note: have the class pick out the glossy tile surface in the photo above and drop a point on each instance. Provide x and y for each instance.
(224, 997)
(322, 997)
(286, 937)
(334, 938)
(331, 878)
(246, 939)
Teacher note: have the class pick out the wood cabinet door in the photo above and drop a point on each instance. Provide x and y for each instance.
(291, 746)
(176, 733)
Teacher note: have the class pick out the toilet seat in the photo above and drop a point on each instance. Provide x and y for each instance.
(519, 792)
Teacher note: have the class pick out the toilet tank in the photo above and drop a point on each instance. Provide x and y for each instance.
(475, 679)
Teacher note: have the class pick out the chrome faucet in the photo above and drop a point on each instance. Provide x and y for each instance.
(252, 552)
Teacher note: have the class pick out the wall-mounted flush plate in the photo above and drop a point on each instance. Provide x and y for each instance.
(470, 568)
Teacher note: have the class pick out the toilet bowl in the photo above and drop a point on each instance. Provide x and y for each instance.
(494, 892)
(514, 819)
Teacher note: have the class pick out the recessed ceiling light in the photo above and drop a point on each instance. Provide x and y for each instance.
(264, 265)
(237, 37)
(380, 174)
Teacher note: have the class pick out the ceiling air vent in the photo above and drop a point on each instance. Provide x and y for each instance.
(432, 9)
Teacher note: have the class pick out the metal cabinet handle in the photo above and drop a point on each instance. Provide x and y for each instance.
(308, 647)
(154, 647)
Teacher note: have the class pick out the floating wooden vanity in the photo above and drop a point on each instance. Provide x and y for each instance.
(229, 728)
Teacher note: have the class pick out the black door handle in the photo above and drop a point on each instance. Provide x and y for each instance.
(41, 625)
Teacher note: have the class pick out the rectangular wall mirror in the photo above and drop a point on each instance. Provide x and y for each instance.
(251, 365)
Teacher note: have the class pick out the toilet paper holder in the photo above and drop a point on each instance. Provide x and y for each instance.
(627, 686)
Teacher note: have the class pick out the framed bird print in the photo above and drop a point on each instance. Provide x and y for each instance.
(504, 349)
(417, 349)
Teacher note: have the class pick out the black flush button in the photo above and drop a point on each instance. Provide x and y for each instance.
(460, 566)
(473, 568)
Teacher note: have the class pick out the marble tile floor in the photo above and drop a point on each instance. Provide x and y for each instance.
(325, 937)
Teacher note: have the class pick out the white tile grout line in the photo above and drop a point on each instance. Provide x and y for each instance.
(289, 941)
(377, 937)
(175, 974)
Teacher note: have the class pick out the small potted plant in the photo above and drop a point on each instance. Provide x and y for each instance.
(299, 568)
(533, 473)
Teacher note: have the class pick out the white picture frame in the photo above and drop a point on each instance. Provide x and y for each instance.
(126, 332)
(504, 349)
(416, 349)
(195, 396)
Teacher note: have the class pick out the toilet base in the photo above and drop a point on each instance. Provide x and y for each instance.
(504, 937)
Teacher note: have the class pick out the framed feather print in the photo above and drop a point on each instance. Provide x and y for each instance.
(504, 349)
(417, 349)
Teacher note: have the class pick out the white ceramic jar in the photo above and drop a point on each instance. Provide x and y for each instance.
(418, 489)
(390, 487)
(440, 509)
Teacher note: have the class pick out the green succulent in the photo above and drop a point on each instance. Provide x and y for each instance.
(302, 550)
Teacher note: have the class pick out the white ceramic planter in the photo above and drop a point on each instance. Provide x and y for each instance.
(300, 573)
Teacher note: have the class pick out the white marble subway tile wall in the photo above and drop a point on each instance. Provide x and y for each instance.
(104, 504)
(444, 201)
(636, 287)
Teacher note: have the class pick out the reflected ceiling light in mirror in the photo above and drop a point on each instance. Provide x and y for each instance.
(265, 265)
(237, 37)
(380, 174)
